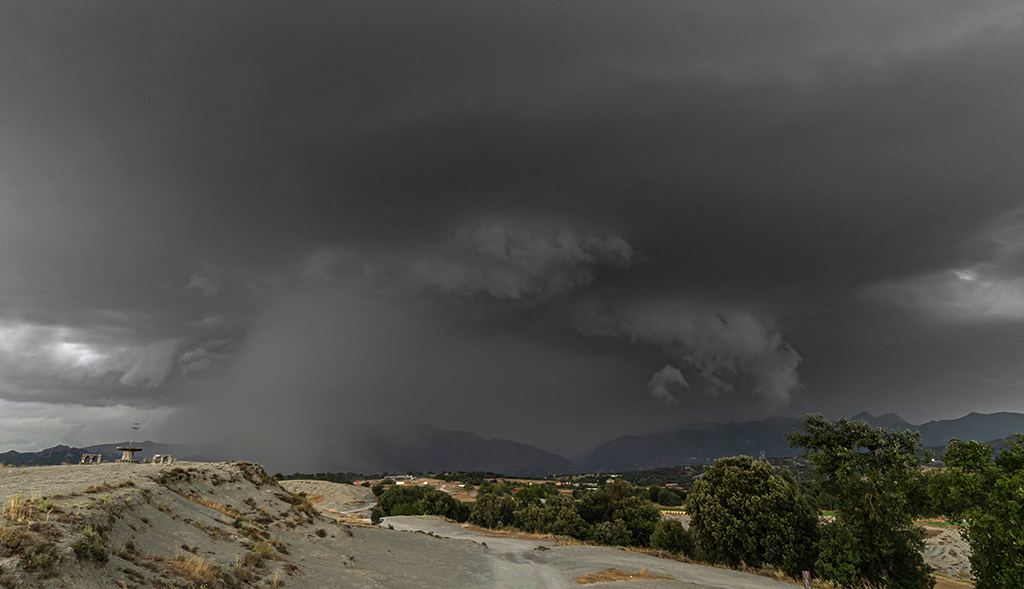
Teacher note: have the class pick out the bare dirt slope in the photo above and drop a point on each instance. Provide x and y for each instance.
(336, 500)
(229, 525)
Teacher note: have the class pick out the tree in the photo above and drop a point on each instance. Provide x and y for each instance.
(669, 498)
(872, 474)
(742, 512)
(618, 516)
(988, 496)
(492, 511)
(671, 536)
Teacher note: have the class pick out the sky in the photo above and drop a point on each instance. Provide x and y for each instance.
(552, 222)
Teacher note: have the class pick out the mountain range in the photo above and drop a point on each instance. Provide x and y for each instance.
(702, 445)
(424, 448)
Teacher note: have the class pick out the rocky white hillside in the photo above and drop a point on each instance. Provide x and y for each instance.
(190, 525)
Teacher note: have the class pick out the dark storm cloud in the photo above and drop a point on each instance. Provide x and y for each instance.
(209, 205)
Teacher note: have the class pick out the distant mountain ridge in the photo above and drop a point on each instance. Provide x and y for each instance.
(703, 444)
(59, 454)
(425, 448)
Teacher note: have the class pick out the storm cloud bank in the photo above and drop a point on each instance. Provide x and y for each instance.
(719, 344)
(553, 222)
(504, 261)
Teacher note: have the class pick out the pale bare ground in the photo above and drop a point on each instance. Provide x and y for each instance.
(248, 531)
(527, 563)
(947, 552)
(339, 500)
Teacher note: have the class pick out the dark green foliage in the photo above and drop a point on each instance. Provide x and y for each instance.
(629, 519)
(476, 477)
(613, 533)
(418, 500)
(743, 513)
(873, 476)
(406, 509)
(377, 489)
(671, 536)
(492, 511)
(376, 514)
(988, 495)
(668, 498)
(556, 515)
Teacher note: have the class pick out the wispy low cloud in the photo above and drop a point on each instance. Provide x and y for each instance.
(720, 344)
(969, 294)
(990, 290)
(46, 353)
(505, 262)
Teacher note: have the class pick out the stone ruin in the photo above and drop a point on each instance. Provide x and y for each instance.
(91, 459)
(162, 459)
(128, 454)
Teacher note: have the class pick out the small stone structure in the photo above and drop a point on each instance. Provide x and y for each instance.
(91, 459)
(162, 459)
(128, 454)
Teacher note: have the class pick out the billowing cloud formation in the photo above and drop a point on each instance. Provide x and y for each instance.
(718, 343)
(990, 290)
(663, 379)
(505, 262)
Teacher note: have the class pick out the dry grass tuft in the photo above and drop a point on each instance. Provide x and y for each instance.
(265, 550)
(194, 568)
(17, 509)
(613, 574)
(211, 504)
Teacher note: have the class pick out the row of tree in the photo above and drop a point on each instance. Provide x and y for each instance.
(617, 514)
(743, 512)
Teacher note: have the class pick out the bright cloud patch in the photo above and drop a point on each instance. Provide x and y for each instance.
(958, 295)
(38, 353)
(992, 290)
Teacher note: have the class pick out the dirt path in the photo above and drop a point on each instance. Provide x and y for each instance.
(517, 563)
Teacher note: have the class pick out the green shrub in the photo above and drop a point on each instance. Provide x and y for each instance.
(671, 536)
(42, 558)
(90, 547)
(987, 495)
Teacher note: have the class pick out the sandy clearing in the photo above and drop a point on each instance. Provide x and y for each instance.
(947, 552)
